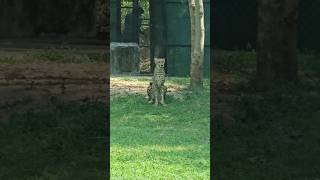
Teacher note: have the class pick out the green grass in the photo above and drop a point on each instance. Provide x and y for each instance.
(54, 55)
(243, 63)
(274, 133)
(267, 131)
(64, 141)
(169, 142)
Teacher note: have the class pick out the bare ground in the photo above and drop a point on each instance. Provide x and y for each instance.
(25, 86)
(120, 86)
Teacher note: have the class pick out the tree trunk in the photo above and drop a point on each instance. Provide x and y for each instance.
(277, 40)
(197, 43)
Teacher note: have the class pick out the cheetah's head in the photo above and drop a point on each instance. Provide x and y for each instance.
(159, 62)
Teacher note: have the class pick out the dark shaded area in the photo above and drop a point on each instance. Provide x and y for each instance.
(265, 130)
(132, 25)
(34, 18)
(277, 40)
(65, 141)
(308, 25)
(236, 27)
(235, 24)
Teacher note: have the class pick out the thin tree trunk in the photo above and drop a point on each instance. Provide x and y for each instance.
(197, 43)
(192, 23)
(277, 39)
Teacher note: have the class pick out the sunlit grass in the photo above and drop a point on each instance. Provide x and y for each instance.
(169, 142)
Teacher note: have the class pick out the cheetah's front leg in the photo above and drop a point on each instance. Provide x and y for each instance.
(150, 99)
(156, 97)
(162, 97)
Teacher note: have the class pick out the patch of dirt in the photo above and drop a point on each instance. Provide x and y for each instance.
(26, 86)
(121, 87)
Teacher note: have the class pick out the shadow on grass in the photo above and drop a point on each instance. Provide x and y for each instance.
(64, 141)
(272, 133)
(267, 130)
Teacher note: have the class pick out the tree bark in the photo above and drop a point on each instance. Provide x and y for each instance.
(277, 40)
(197, 43)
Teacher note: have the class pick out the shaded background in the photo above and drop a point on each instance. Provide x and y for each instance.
(35, 18)
(235, 24)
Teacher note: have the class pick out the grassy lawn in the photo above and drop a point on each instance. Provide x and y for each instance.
(70, 55)
(58, 141)
(266, 130)
(169, 142)
(61, 142)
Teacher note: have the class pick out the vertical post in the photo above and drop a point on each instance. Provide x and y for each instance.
(152, 6)
(157, 28)
(118, 24)
(164, 30)
(115, 20)
(136, 18)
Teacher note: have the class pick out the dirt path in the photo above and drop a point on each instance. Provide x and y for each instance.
(123, 85)
(26, 86)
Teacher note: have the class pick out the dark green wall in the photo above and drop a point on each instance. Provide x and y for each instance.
(177, 34)
(178, 37)
(115, 26)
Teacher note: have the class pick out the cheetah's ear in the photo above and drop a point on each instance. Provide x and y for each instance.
(150, 83)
